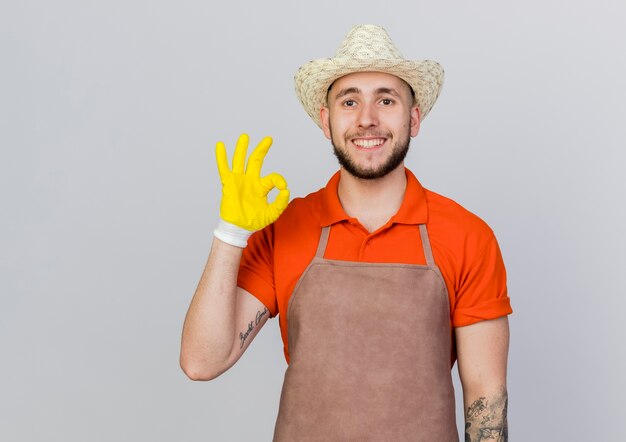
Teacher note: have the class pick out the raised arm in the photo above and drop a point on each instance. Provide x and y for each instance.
(223, 319)
(482, 351)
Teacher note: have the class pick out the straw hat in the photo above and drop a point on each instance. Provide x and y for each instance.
(367, 48)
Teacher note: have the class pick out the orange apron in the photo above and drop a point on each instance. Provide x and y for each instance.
(370, 348)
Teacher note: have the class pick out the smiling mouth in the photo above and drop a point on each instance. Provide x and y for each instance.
(369, 143)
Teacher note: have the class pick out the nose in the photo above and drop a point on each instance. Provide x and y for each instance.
(368, 116)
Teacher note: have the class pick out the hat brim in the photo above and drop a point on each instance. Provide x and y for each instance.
(315, 77)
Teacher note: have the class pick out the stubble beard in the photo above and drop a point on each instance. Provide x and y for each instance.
(399, 151)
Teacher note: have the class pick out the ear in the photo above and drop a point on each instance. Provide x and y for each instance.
(325, 119)
(415, 120)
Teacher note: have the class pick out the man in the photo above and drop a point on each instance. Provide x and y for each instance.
(379, 284)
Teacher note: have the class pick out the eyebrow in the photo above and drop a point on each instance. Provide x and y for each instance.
(356, 90)
(387, 90)
(350, 90)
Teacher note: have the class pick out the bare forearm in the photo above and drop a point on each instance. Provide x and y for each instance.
(486, 417)
(482, 350)
(209, 329)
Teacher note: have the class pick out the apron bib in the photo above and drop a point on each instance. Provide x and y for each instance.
(370, 348)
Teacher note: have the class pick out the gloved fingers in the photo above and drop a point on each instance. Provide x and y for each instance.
(239, 158)
(273, 180)
(255, 162)
(222, 161)
(281, 201)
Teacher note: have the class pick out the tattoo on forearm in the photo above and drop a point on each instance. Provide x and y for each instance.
(251, 325)
(486, 419)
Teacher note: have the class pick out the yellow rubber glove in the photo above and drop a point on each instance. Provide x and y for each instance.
(244, 192)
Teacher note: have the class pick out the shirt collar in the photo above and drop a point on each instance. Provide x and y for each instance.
(413, 210)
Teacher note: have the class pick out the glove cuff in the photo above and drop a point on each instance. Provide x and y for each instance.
(232, 234)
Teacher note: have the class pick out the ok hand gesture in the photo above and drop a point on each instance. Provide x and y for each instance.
(244, 192)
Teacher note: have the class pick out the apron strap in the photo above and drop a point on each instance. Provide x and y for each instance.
(428, 252)
(321, 247)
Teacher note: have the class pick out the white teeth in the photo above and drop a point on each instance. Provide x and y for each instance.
(369, 143)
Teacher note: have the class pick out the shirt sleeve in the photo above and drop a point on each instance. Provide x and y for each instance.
(482, 293)
(256, 270)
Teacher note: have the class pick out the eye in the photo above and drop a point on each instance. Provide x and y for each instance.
(386, 101)
(349, 103)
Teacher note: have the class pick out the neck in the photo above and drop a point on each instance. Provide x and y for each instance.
(372, 202)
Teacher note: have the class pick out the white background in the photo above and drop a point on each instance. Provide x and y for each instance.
(109, 112)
